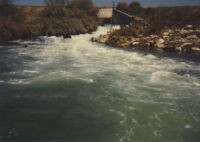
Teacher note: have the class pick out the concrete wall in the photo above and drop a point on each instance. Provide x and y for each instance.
(121, 18)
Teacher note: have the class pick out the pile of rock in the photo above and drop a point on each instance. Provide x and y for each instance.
(186, 40)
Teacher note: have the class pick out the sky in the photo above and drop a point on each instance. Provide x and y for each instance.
(144, 3)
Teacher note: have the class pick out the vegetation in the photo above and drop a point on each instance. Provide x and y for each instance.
(62, 21)
(56, 2)
(81, 4)
(162, 17)
(59, 17)
(159, 21)
(132, 8)
(8, 11)
(123, 6)
(77, 17)
(12, 21)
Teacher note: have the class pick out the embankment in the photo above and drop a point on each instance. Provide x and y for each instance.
(48, 21)
(160, 34)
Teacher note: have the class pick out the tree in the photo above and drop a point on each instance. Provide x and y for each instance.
(61, 3)
(5, 2)
(81, 4)
(9, 11)
(135, 8)
(123, 6)
(6, 8)
(135, 5)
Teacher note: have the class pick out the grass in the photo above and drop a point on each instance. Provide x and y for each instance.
(31, 21)
(168, 16)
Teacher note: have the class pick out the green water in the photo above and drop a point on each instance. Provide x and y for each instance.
(73, 90)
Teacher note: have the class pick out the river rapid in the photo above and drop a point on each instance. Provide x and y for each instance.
(72, 90)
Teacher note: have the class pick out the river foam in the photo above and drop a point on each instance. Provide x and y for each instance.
(134, 95)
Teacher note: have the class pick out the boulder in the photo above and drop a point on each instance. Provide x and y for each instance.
(67, 36)
(191, 37)
(188, 44)
(165, 34)
(186, 47)
(196, 50)
(126, 44)
(160, 43)
(178, 49)
(135, 43)
(188, 27)
(94, 39)
(133, 39)
(170, 48)
(183, 32)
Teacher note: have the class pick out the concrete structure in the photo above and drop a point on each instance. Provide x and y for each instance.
(119, 17)
(105, 13)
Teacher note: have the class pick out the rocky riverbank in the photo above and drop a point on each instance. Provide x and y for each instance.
(184, 40)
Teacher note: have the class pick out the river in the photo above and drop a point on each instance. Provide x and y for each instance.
(72, 90)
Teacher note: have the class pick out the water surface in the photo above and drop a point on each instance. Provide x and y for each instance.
(73, 90)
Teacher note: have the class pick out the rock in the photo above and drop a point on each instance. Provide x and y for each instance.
(153, 36)
(179, 49)
(160, 43)
(93, 39)
(184, 40)
(170, 48)
(183, 31)
(133, 39)
(196, 50)
(165, 34)
(187, 44)
(186, 47)
(198, 41)
(188, 27)
(135, 43)
(192, 37)
(67, 36)
(125, 44)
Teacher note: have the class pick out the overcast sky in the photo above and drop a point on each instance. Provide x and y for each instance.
(144, 3)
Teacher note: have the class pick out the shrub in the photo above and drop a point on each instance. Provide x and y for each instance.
(92, 12)
(6, 8)
(52, 3)
(56, 12)
(135, 8)
(123, 6)
(12, 30)
(135, 5)
(63, 21)
(81, 4)
(19, 15)
(9, 11)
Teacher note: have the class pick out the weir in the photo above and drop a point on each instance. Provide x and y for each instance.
(119, 17)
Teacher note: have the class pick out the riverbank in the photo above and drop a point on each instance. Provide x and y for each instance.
(168, 29)
(48, 21)
(183, 41)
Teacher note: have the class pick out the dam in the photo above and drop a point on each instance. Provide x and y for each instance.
(119, 17)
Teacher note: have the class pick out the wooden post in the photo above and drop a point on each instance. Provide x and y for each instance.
(113, 6)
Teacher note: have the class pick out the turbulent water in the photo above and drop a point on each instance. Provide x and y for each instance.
(73, 90)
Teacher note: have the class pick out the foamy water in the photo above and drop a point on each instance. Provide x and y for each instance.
(74, 90)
